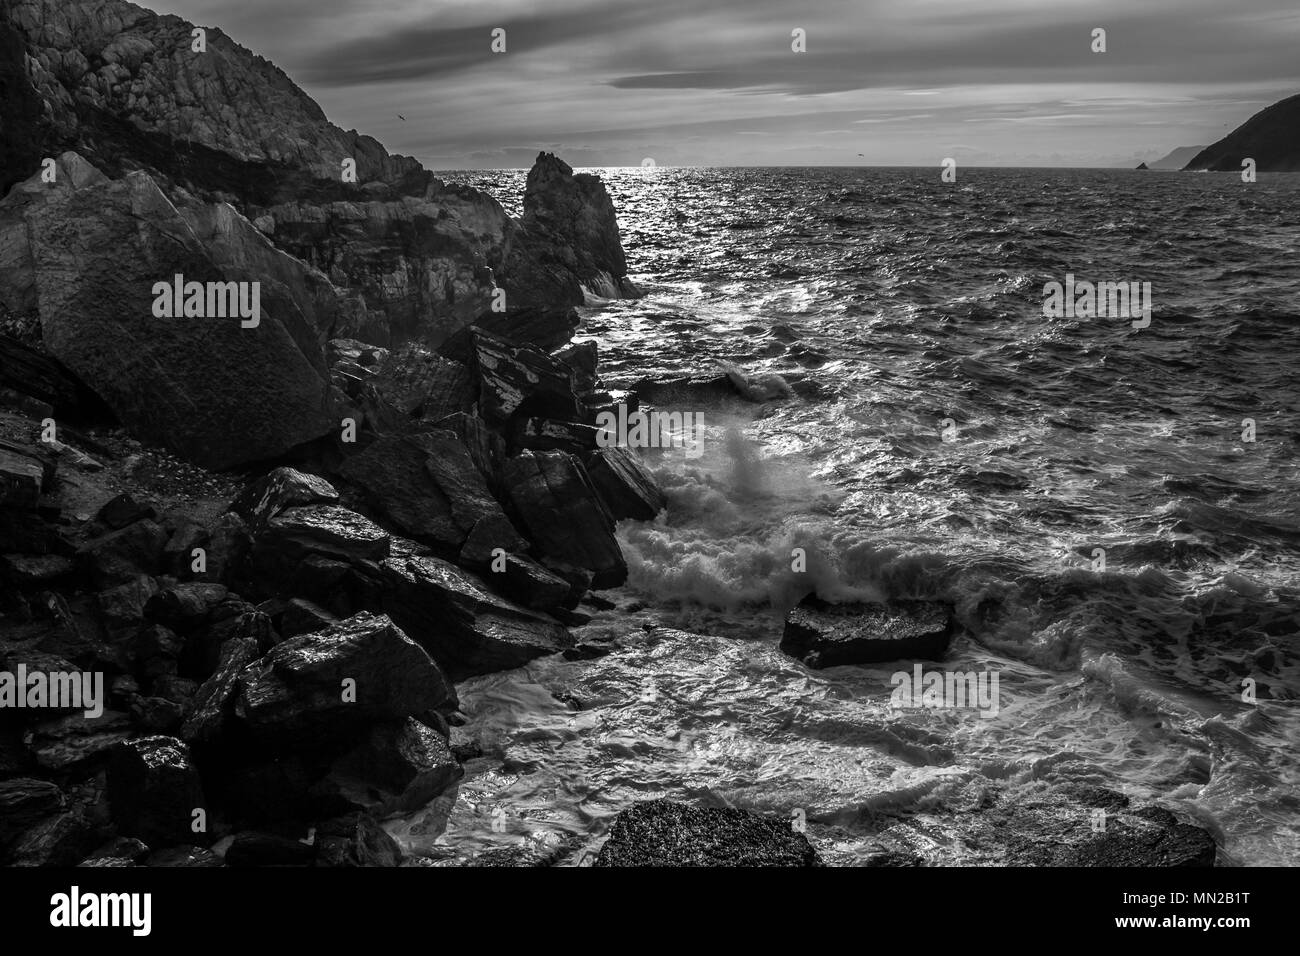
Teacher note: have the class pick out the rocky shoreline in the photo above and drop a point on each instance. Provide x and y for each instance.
(279, 544)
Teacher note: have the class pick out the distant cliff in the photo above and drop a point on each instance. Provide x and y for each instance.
(1271, 138)
(1177, 159)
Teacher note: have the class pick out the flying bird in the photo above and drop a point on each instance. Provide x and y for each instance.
(401, 117)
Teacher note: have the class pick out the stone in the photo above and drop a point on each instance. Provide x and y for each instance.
(626, 486)
(822, 634)
(154, 790)
(278, 490)
(663, 833)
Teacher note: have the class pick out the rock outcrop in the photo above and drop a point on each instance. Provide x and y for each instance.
(1271, 138)
(822, 634)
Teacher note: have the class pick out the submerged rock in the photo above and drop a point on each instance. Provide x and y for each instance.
(664, 833)
(822, 634)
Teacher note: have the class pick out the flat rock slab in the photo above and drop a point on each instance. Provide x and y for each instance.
(664, 833)
(822, 634)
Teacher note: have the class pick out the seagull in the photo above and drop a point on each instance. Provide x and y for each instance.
(401, 117)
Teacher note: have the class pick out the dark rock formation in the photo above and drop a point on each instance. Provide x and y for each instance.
(154, 790)
(625, 484)
(456, 618)
(359, 671)
(664, 833)
(822, 634)
(1271, 138)
(563, 515)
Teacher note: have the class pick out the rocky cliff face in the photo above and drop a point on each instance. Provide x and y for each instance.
(1271, 138)
(126, 90)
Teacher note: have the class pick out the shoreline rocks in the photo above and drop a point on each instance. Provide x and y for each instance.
(822, 634)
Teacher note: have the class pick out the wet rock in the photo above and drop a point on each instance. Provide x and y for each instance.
(398, 768)
(626, 486)
(76, 742)
(664, 833)
(255, 848)
(156, 715)
(468, 629)
(524, 580)
(24, 802)
(543, 328)
(822, 634)
(317, 552)
(519, 381)
(154, 790)
(214, 703)
(156, 650)
(563, 516)
(545, 434)
(121, 851)
(427, 485)
(581, 358)
(358, 671)
(355, 840)
(60, 840)
(277, 491)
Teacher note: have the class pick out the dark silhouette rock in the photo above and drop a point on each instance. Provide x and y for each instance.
(254, 848)
(468, 629)
(154, 790)
(359, 671)
(355, 840)
(282, 488)
(625, 485)
(563, 516)
(822, 634)
(214, 704)
(1271, 138)
(398, 768)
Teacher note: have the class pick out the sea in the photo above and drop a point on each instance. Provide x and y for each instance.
(1110, 504)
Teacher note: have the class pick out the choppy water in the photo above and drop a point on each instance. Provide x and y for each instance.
(891, 302)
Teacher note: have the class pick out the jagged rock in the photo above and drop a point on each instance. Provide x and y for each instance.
(544, 434)
(281, 489)
(125, 604)
(254, 848)
(412, 385)
(184, 605)
(96, 255)
(822, 634)
(428, 486)
(22, 478)
(154, 790)
(214, 703)
(120, 557)
(33, 373)
(121, 511)
(297, 691)
(664, 833)
(563, 516)
(24, 802)
(573, 238)
(157, 715)
(468, 629)
(227, 550)
(178, 553)
(625, 484)
(321, 552)
(60, 840)
(156, 651)
(398, 768)
(543, 328)
(121, 851)
(581, 358)
(355, 840)
(76, 741)
(519, 381)
(524, 580)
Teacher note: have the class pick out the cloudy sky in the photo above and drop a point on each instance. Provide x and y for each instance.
(715, 82)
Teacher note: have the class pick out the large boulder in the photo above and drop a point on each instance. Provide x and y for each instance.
(468, 629)
(664, 833)
(822, 634)
(563, 516)
(429, 487)
(625, 485)
(211, 389)
(154, 790)
(359, 671)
